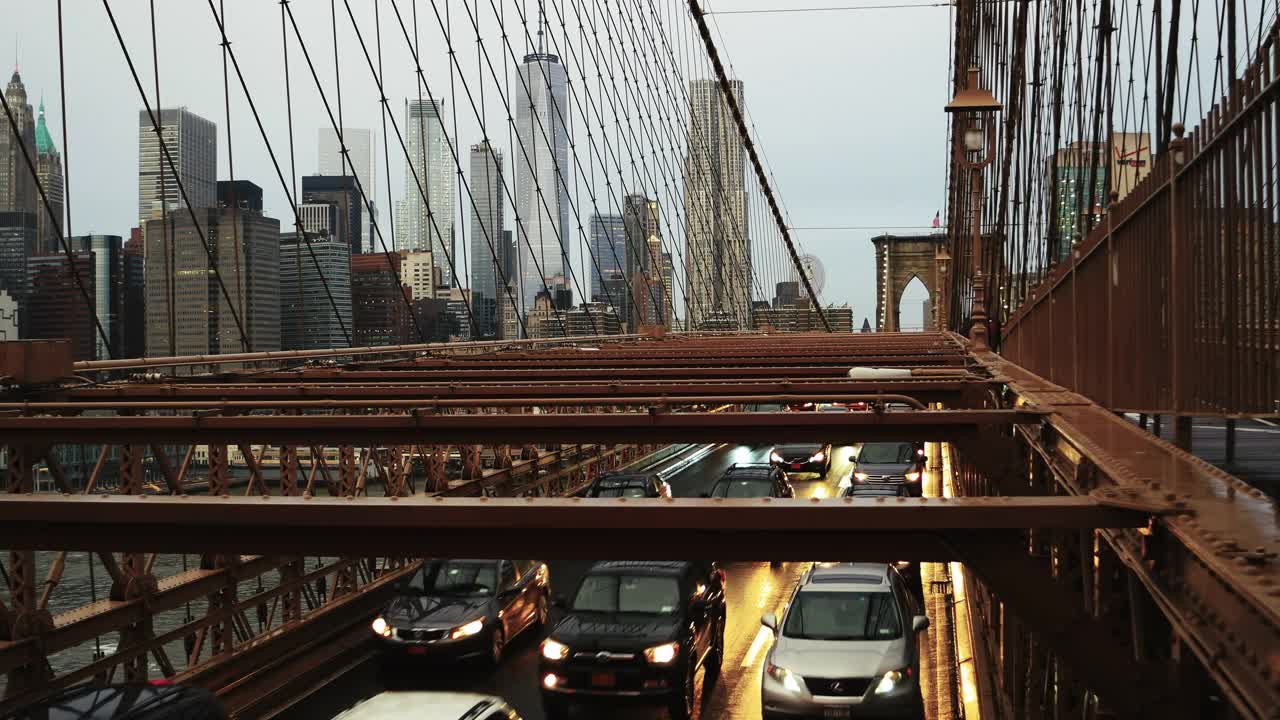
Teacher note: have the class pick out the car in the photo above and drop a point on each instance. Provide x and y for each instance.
(846, 647)
(430, 706)
(636, 633)
(630, 485)
(153, 701)
(752, 481)
(800, 407)
(464, 609)
(890, 462)
(802, 458)
(872, 490)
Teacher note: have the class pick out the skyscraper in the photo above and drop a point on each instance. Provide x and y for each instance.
(8, 317)
(108, 268)
(428, 224)
(363, 164)
(246, 249)
(192, 143)
(542, 169)
(49, 172)
(17, 243)
(55, 308)
(135, 298)
(609, 246)
(17, 184)
(488, 250)
(645, 301)
(379, 315)
(340, 191)
(311, 272)
(718, 246)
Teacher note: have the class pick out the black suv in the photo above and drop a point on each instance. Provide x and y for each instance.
(629, 485)
(802, 457)
(891, 462)
(638, 632)
(464, 609)
(752, 481)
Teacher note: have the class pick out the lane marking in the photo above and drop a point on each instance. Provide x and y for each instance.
(1239, 429)
(1265, 422)
(757, 645)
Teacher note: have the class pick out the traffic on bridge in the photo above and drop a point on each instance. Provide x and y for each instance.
(464, 360)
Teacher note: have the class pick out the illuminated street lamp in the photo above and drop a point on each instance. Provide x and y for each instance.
(975, 110)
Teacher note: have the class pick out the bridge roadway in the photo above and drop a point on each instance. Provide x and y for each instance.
(753, 589)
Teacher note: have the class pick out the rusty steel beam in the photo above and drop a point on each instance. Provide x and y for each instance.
(408, 429)
(549, 527)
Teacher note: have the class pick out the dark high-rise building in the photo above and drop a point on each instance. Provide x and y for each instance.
(608, 245)
(488, 251)
(245, 246)
(135, 297)
(311, 272)
(55, 307)
(17, 183)
(18, 241)
(342, 192)
(107, 253)
(240, 194)
(379, 315)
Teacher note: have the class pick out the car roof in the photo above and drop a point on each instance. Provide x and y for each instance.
(798, 445)
(860, 577)
(884, 490)
(628, 479)
(423, 704)
(641, 567)
(761, 471)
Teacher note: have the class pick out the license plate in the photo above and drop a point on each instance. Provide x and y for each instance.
(604, 679)
(835, 712)
(796, 466)
(417, 650)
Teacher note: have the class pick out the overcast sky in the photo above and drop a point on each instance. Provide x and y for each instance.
(847, 105)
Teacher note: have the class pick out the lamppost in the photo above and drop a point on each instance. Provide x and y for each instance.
(940, 307)
(975, 111)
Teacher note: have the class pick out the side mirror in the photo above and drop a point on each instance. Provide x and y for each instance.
(559, 601)
(770, 621)
(919, 623)
(853, 458)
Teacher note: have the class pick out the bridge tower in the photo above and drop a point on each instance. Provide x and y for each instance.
(899, 258)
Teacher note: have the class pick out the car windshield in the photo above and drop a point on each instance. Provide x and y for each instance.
(745, 488)
(843, 616)
(452, 577)
(797, 450)
(628, 594)
(614, 490)
(886, 453)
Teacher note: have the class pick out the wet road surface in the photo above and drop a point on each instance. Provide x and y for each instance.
(752, 588)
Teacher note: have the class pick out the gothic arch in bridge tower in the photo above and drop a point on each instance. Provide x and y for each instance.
(899, 259)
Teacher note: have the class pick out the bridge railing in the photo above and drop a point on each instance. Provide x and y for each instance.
(1172, 303)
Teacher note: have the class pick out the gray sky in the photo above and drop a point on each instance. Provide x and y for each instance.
(847, 105)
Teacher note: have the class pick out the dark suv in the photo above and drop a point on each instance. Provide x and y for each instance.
(752, 481)
(890, 462)
(802, 458)
(464, 609)
(629, 485)
(636, 632)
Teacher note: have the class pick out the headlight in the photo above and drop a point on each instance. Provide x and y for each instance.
(552, 650)
(380, 627)
(913, 477)
(789, 680)
(775, 457)
(818, 457)
(860, 476)
(467, 630)
(664, 654)
(891, 681)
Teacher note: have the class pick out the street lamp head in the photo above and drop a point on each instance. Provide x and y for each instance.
(972, 98)
(974, 139)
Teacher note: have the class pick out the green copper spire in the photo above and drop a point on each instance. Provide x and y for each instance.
(44, 141)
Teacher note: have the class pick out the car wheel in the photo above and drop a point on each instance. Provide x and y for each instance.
(556, 708)
(543, 612)
(682, 705)
(497, 645)
(715, 660)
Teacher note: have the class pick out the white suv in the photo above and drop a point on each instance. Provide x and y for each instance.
(846, 647)
(430, 706)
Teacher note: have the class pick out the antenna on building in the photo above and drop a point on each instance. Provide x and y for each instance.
(542, 20)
